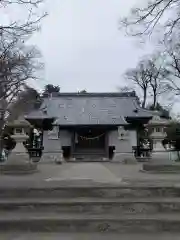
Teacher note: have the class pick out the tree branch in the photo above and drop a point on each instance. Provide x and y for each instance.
(142, 21)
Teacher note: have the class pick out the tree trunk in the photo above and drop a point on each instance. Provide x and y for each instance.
(154, 99)
(1, 139)
(2, 122)
(144, 98)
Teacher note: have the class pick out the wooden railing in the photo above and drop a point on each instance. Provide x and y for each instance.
(140, 151)
(35, 152)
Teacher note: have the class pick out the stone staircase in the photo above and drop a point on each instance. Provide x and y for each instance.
(100, 208)
(90, 155)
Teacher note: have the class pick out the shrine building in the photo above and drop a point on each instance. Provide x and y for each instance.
(90, 125)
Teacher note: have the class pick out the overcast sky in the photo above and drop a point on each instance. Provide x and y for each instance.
(82, 46)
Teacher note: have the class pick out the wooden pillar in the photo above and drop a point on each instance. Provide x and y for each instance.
(107, 144)
(73, 142)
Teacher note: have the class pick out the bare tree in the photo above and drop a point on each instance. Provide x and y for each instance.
(19, 64)
(155, 73)
(125, 89)
(150, 76)
(143, 20)
(172, 67)
(163, 110)
(28, 25)
(139, 76)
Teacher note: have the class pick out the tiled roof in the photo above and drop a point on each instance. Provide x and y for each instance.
(159, 121)
(90, 109)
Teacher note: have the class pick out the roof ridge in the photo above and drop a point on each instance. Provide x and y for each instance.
(93, 94)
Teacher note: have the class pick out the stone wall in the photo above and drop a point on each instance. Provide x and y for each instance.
(122, 144)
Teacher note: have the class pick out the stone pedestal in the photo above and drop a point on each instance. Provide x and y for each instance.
(72, 159)
(58, 157)
(160, 157)
(54, 157)
(52, 147)
(174, 156)
(126, 158)
(161, 161)
(159, 154)
(18, 161)
(123, 152)
(46, 158)
(162, 168)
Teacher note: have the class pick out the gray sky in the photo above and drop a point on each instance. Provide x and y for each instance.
(82, 46)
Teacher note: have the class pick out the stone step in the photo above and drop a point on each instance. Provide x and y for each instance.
(54, 222)
(90, 157)
(101, 191)
(87, 236)
(90, 160)
(93, 151)
(92, 205)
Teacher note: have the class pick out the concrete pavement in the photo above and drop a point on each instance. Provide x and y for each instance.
(87, 236)
(92, 171)
(88, 172)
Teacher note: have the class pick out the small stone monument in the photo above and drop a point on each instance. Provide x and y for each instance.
(18, 161)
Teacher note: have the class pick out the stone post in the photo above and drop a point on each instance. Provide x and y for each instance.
(124, 152)
(52, 152)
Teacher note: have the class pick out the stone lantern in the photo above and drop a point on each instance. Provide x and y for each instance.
(157, 128)
(160, 160)
(19, 160)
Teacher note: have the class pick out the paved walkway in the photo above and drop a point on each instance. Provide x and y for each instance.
(90, 236)
(87, 171)
(96, 172)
